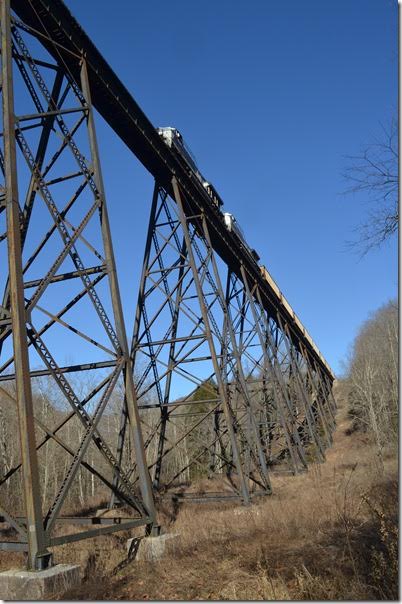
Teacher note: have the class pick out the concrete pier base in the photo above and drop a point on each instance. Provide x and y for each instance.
(150, 548)
(38, 585)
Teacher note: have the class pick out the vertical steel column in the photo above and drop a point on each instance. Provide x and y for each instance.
(139, 309)
(224, 361)
(325, 390)
(119, 450)
(141, 291)
(123, 419)
(303, 398)
(129, 387)
(38, 557)
(269, 366)
(328, 394)
(321, 411)
(172, 348)
(204, 312)
(251, 424)
(31, 193)
(330, 397)
(266, 412)
(285, 393)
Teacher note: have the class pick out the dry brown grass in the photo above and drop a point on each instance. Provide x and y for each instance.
(329, 534)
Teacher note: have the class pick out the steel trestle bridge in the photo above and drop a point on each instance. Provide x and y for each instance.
(220, 385)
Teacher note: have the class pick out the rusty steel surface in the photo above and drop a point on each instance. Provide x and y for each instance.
(221, 382)
(58, 232)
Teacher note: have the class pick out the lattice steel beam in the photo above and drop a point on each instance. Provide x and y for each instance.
(56, 239)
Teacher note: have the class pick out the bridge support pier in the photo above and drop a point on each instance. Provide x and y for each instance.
(150, 548)
(39, 585)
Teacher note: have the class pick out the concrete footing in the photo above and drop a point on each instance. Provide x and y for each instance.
(150, 548)
(38, 585)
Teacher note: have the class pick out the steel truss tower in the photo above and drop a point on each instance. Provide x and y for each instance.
(222, 388)
(60, 299)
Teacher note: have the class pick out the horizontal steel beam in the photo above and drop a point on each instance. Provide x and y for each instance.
(104, 521)
(103, 530)
(206, 497)
(9, 377)
(13, 546)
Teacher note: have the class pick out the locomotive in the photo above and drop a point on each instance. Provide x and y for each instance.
(233, 226)
(173, 139)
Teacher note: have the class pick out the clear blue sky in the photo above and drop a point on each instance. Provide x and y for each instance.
(269, 95)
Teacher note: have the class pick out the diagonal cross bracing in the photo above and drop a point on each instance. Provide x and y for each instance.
(269, 415)
(222, 382)
(60, 298)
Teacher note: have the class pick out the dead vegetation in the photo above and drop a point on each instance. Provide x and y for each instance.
(329, 534)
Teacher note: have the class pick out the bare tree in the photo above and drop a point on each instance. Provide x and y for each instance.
(372, 376)
(374, 174)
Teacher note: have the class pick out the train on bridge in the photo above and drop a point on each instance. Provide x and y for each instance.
(174, 139)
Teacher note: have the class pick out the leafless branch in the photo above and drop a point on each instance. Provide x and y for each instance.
(374, 175)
